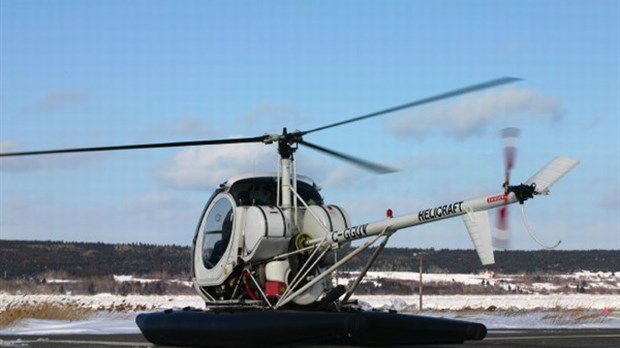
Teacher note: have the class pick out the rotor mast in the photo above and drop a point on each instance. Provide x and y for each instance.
(286, 151)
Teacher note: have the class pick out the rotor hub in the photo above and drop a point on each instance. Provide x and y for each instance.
(287, 143)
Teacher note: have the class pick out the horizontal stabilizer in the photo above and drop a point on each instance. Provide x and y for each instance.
(551, 173)
(480, 232)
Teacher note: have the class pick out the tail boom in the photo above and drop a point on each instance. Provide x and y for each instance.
(475, 208)
(424, 216)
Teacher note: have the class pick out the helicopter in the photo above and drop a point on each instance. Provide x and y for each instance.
(267, 246)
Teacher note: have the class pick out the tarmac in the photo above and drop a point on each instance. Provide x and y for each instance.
(495, 338)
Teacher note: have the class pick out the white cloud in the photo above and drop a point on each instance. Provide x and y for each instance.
(610, 200)
(153, 217)
(272, 116)
(473, 113)
(184, 126)
(57, 100)
(207, 166)
(343, 177)
(10, 163)
(149, 202)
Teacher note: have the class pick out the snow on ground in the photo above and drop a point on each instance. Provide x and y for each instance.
(467, 279)
(106, 302)
(130, 278)
(62, 281)
(501, 302)
(97, 324)
(496, 312)
(538, 308)
(124, 323)
(109, 302)
(525, 283)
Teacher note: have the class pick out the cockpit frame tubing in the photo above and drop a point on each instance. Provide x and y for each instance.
(362, 274)
(283, 301)
(262, 293)
(298, 197)
(206, 294)
(293, 189)
(304, 270)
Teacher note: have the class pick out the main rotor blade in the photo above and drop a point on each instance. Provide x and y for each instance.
(374, 167)
(454, 93)
(259, 139)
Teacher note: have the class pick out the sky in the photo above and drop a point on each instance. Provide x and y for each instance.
(96, 73)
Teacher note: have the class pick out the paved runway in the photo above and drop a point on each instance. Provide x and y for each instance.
(495, 338)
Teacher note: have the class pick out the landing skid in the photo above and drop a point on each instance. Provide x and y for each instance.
(225, 328)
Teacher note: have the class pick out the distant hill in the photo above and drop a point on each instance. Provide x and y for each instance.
(506, 262)
(30, 259)
(24, 259)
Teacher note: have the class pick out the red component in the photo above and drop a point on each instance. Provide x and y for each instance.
(502, 221)
(274, 288)
(389, 213)
(497, 198)
(509, 137)
(247, 288)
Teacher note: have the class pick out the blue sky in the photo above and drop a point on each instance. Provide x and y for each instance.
(91, 73)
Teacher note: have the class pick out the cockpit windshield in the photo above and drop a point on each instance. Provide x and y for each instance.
(217, 231)
(264, 191)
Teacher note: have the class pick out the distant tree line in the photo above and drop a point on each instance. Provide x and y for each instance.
(32, 259)
(24, 259)
(506, 262)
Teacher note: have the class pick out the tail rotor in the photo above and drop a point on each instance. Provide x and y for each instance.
(502, 237)
(556, 169)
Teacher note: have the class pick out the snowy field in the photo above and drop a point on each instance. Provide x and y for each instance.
(527, 284)
(116, 314)
(536, 308)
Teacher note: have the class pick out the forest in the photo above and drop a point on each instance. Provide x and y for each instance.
(34, 259)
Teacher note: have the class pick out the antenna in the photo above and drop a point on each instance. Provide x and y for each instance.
(531, 232)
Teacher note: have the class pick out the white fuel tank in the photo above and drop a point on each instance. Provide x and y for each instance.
(320, 219)
(265, 232)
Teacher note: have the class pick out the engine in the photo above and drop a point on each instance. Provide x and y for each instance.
(244, 244)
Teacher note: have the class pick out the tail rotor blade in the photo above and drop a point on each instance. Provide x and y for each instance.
(502, 218)
(509, 139)
(502, 239)
(510, 135)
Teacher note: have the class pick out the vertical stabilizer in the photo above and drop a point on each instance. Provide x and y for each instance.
(551, 173)
(480, 232)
